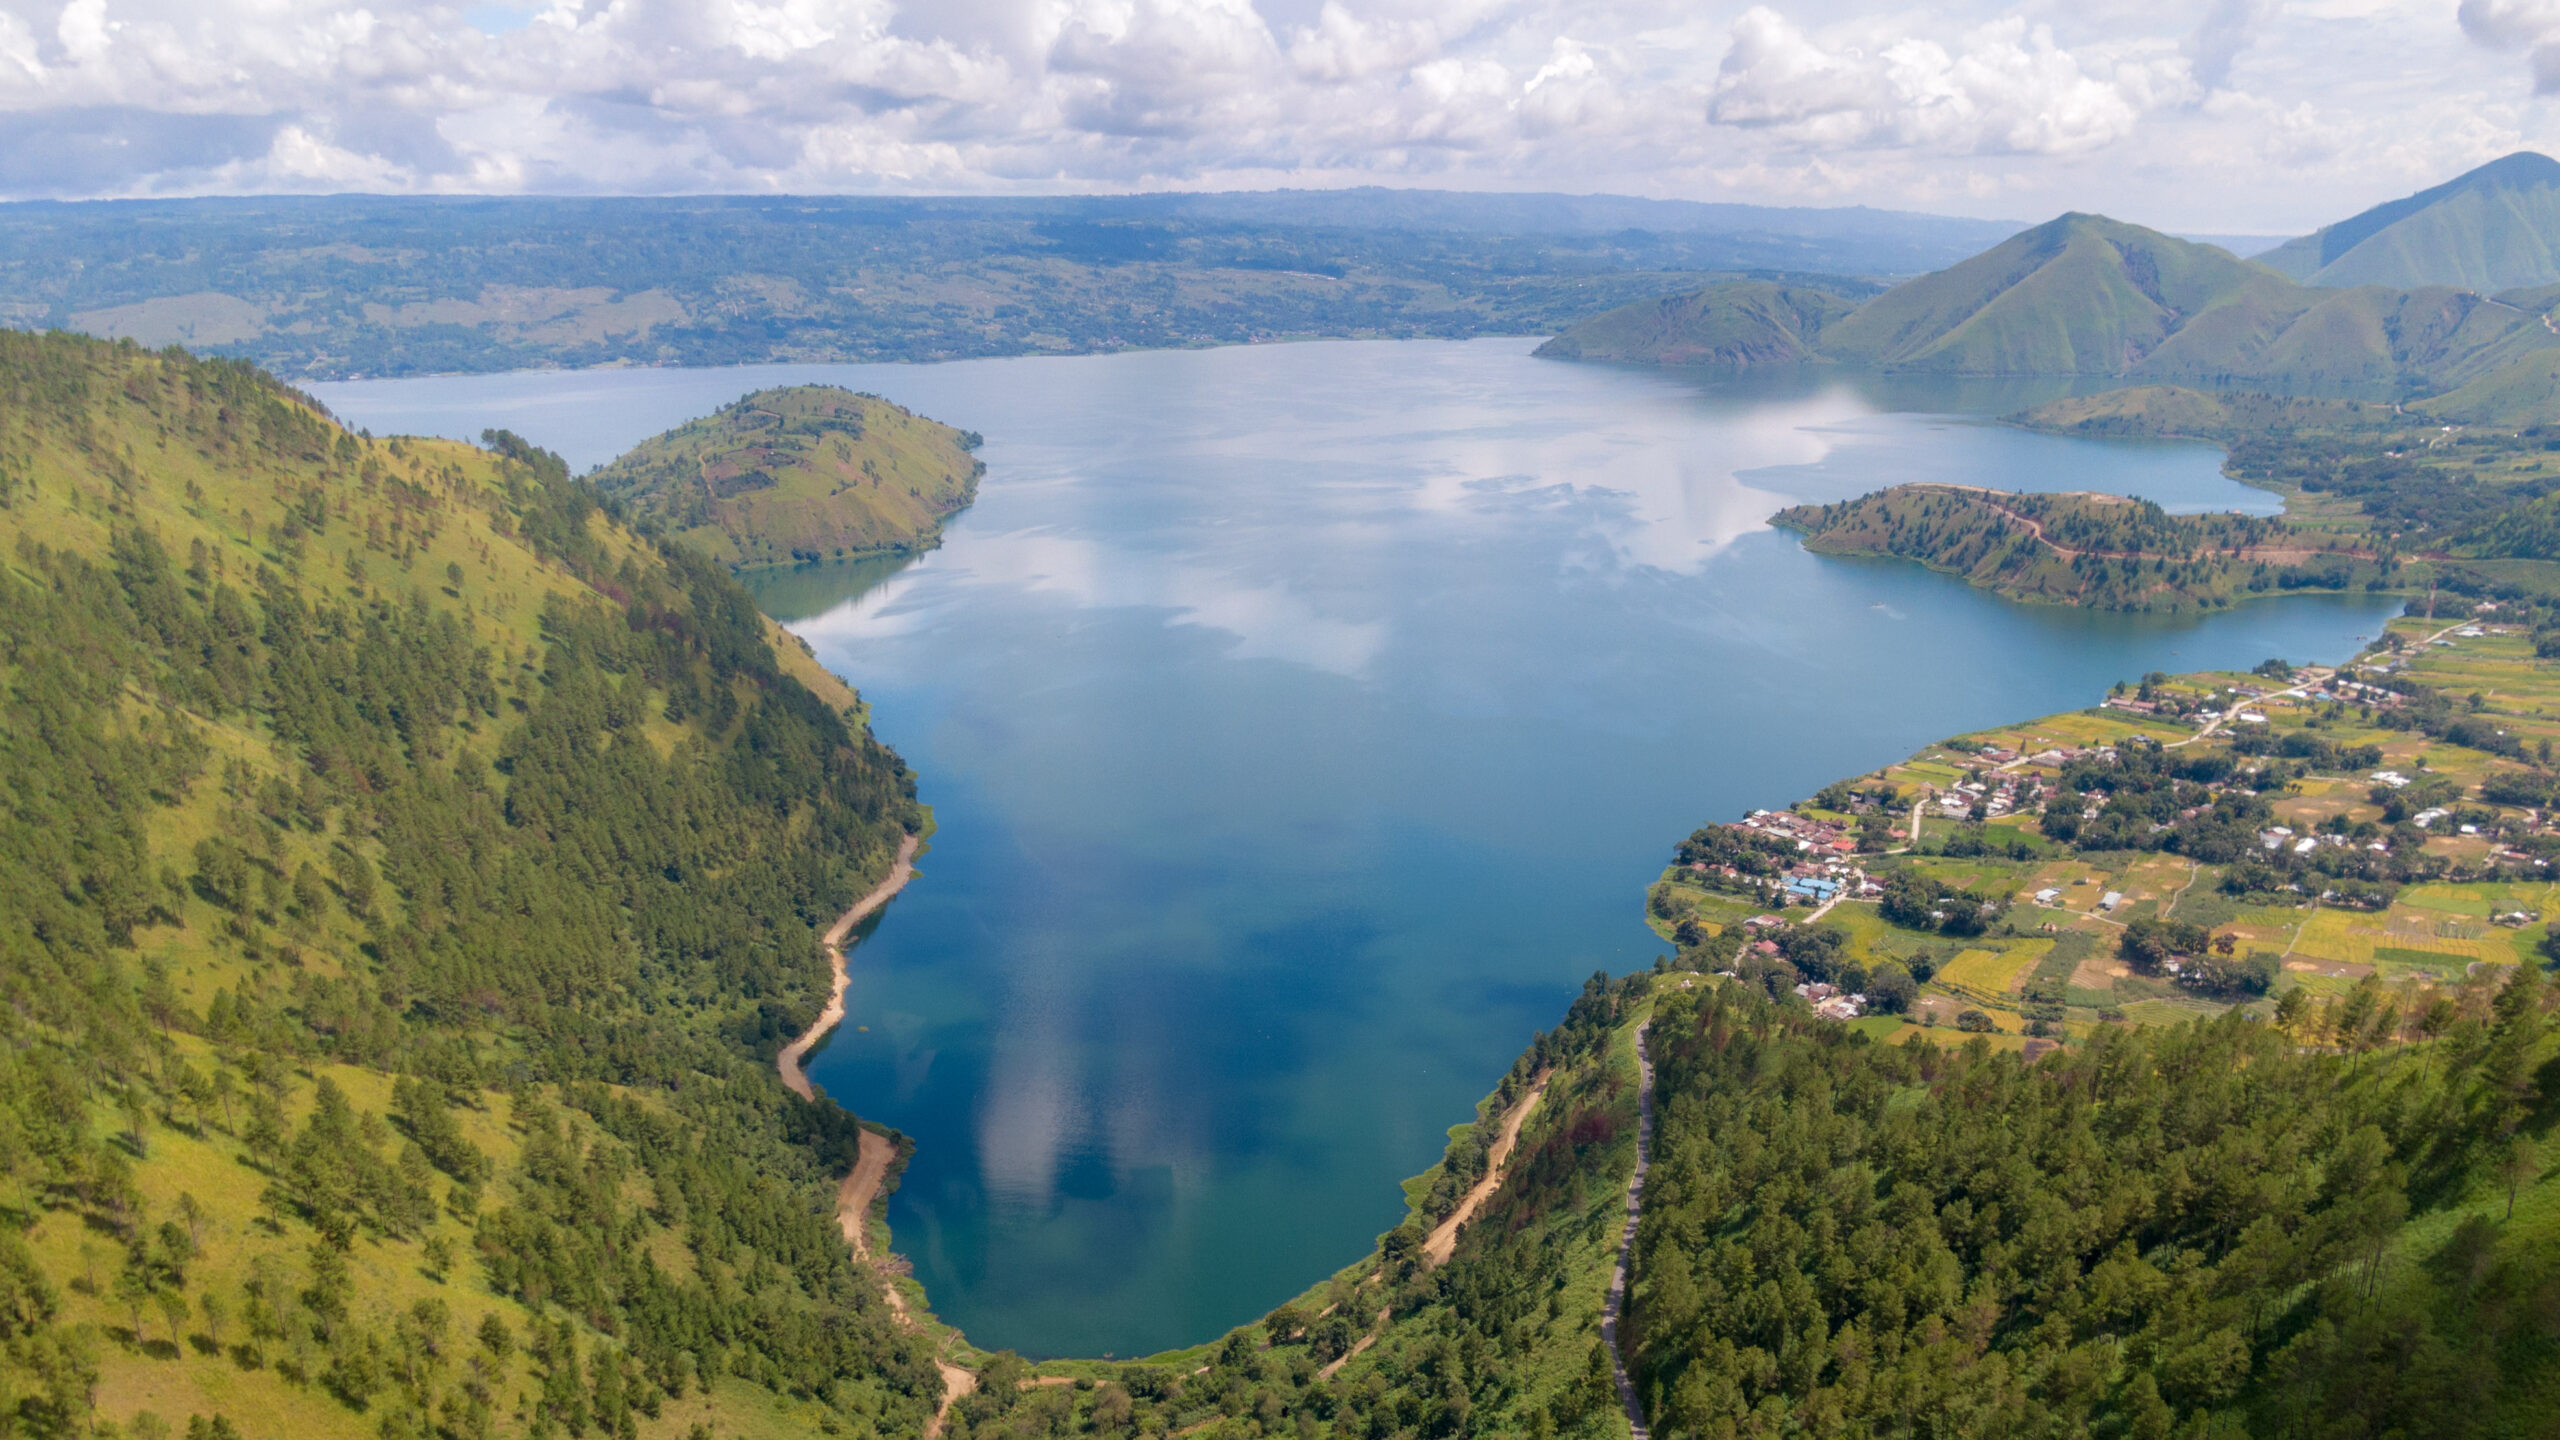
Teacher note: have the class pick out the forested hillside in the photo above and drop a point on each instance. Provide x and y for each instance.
(410, 873)
(2220, 1228)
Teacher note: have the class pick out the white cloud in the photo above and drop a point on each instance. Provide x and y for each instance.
(2009, 107)
(2006, 89)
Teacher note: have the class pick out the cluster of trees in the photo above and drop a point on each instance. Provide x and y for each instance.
(542, 902)
(2195, 803)
(2195, 1230)
(1922, 901)
(2197, 958)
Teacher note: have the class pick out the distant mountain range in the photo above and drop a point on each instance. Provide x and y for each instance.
(340, 286)
(2086, 295)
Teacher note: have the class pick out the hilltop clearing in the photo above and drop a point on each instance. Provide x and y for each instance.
(803, 473)
(412, 875)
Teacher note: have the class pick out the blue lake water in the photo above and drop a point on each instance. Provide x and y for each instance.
(1304, 723)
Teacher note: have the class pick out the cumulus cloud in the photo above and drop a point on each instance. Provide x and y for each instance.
(2532, 26)
(2004, 88)
(2228, 27)
(2014, 106)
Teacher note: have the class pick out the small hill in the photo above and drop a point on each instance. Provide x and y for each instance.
(1745, 322)
(2495, 228)
(806, 472)
(2080, 295)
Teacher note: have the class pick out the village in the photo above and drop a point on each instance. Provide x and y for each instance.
(2387, 841)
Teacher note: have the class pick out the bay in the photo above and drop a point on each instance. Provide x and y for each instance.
(1304, 723)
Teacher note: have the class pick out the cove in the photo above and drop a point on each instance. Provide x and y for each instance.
(1303, 724)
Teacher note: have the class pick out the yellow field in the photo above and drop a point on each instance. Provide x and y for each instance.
(1993, 971)
(2352, 936)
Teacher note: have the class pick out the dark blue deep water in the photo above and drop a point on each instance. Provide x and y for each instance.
(1303, 723)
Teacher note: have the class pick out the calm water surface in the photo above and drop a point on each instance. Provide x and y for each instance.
(1303, 723)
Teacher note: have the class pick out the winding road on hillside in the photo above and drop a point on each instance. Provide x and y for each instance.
(1617, 1302)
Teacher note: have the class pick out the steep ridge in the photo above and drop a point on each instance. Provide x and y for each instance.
(2491, 229)
(410, 873)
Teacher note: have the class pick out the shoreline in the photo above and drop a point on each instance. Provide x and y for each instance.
(871, 1165)
(794, 1078)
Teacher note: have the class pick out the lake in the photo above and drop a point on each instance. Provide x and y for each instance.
(1304, 723)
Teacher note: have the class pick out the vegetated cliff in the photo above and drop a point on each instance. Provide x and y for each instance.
(801, 473)
(409, 873)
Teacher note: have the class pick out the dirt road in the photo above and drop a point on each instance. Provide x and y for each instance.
(1443, 1239)
(1617, 1302)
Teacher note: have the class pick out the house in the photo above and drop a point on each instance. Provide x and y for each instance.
(2110, 900)
(2047, 896)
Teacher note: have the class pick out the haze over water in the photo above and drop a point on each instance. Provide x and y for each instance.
(1303, 723)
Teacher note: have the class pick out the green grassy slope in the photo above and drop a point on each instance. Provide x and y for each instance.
(2077, 295)
(1746, 322)
(2495, 228)
(409, 874)
(2524, 393)
(801, 473)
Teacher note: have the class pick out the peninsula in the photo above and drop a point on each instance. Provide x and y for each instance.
(799, 474)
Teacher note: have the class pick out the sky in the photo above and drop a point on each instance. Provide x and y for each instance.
(2227, 116)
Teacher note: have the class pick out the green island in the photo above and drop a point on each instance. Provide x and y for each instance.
(799, 474)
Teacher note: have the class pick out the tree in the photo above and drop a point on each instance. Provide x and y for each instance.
(1891, 989)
